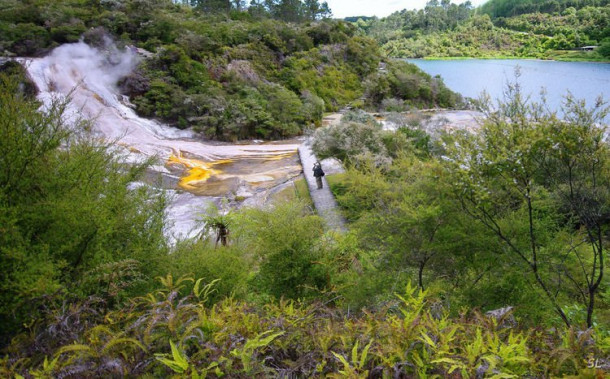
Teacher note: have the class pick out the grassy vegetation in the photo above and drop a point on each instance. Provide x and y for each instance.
(298, 191)
(575, 56)
(556, 55)
(432, 58)
(337, 183)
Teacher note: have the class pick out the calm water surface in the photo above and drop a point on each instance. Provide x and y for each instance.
(584, 80)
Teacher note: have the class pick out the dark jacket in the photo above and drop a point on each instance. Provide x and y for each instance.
(317, 170)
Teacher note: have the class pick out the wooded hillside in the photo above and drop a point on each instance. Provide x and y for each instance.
(532, 29)
(230, 72)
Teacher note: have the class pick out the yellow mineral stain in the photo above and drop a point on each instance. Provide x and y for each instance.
(206, 178)
(129, 147)
(99, 98)
(199, 171)
(271, 157)
(279, 157)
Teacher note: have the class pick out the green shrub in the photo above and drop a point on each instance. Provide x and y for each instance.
(28, 39)
(287, 241)
(67, 206)
(203, 260)
(604, 48)
(67, 33)
(351, 141)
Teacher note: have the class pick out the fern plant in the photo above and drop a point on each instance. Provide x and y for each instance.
(246, 352)
(355, 368)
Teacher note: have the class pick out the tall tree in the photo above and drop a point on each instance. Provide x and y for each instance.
(212, 6)
(297, 10)
(287, 10)
(238, 5)
(258, 9)
(539, 183)
(574, 161)
(315, 10)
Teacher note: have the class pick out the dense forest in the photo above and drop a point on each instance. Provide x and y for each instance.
(505, 8)
(532, 29)
(469, 254)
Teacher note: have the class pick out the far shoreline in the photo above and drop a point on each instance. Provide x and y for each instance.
(432, 58)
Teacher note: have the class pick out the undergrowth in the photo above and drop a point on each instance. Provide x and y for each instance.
(178, 332)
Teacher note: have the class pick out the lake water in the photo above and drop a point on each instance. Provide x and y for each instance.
(584, 80)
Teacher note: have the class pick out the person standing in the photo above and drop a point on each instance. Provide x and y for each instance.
(318, 173)
(222, 234)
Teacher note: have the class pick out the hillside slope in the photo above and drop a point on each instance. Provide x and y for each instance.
(230, 74)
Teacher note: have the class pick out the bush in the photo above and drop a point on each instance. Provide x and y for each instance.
(352, 142)
(287, 240)
(67, 207)
(359, 116)
(28, 39)
(67, 33)
(403, 86)
(202, 259)
(604, 48)
(168, 334)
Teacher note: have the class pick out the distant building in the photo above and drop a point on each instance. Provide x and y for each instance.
(587, 48)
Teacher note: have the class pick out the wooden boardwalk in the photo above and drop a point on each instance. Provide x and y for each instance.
(323, 199)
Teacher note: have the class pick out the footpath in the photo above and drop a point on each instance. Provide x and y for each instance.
(323, 199)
